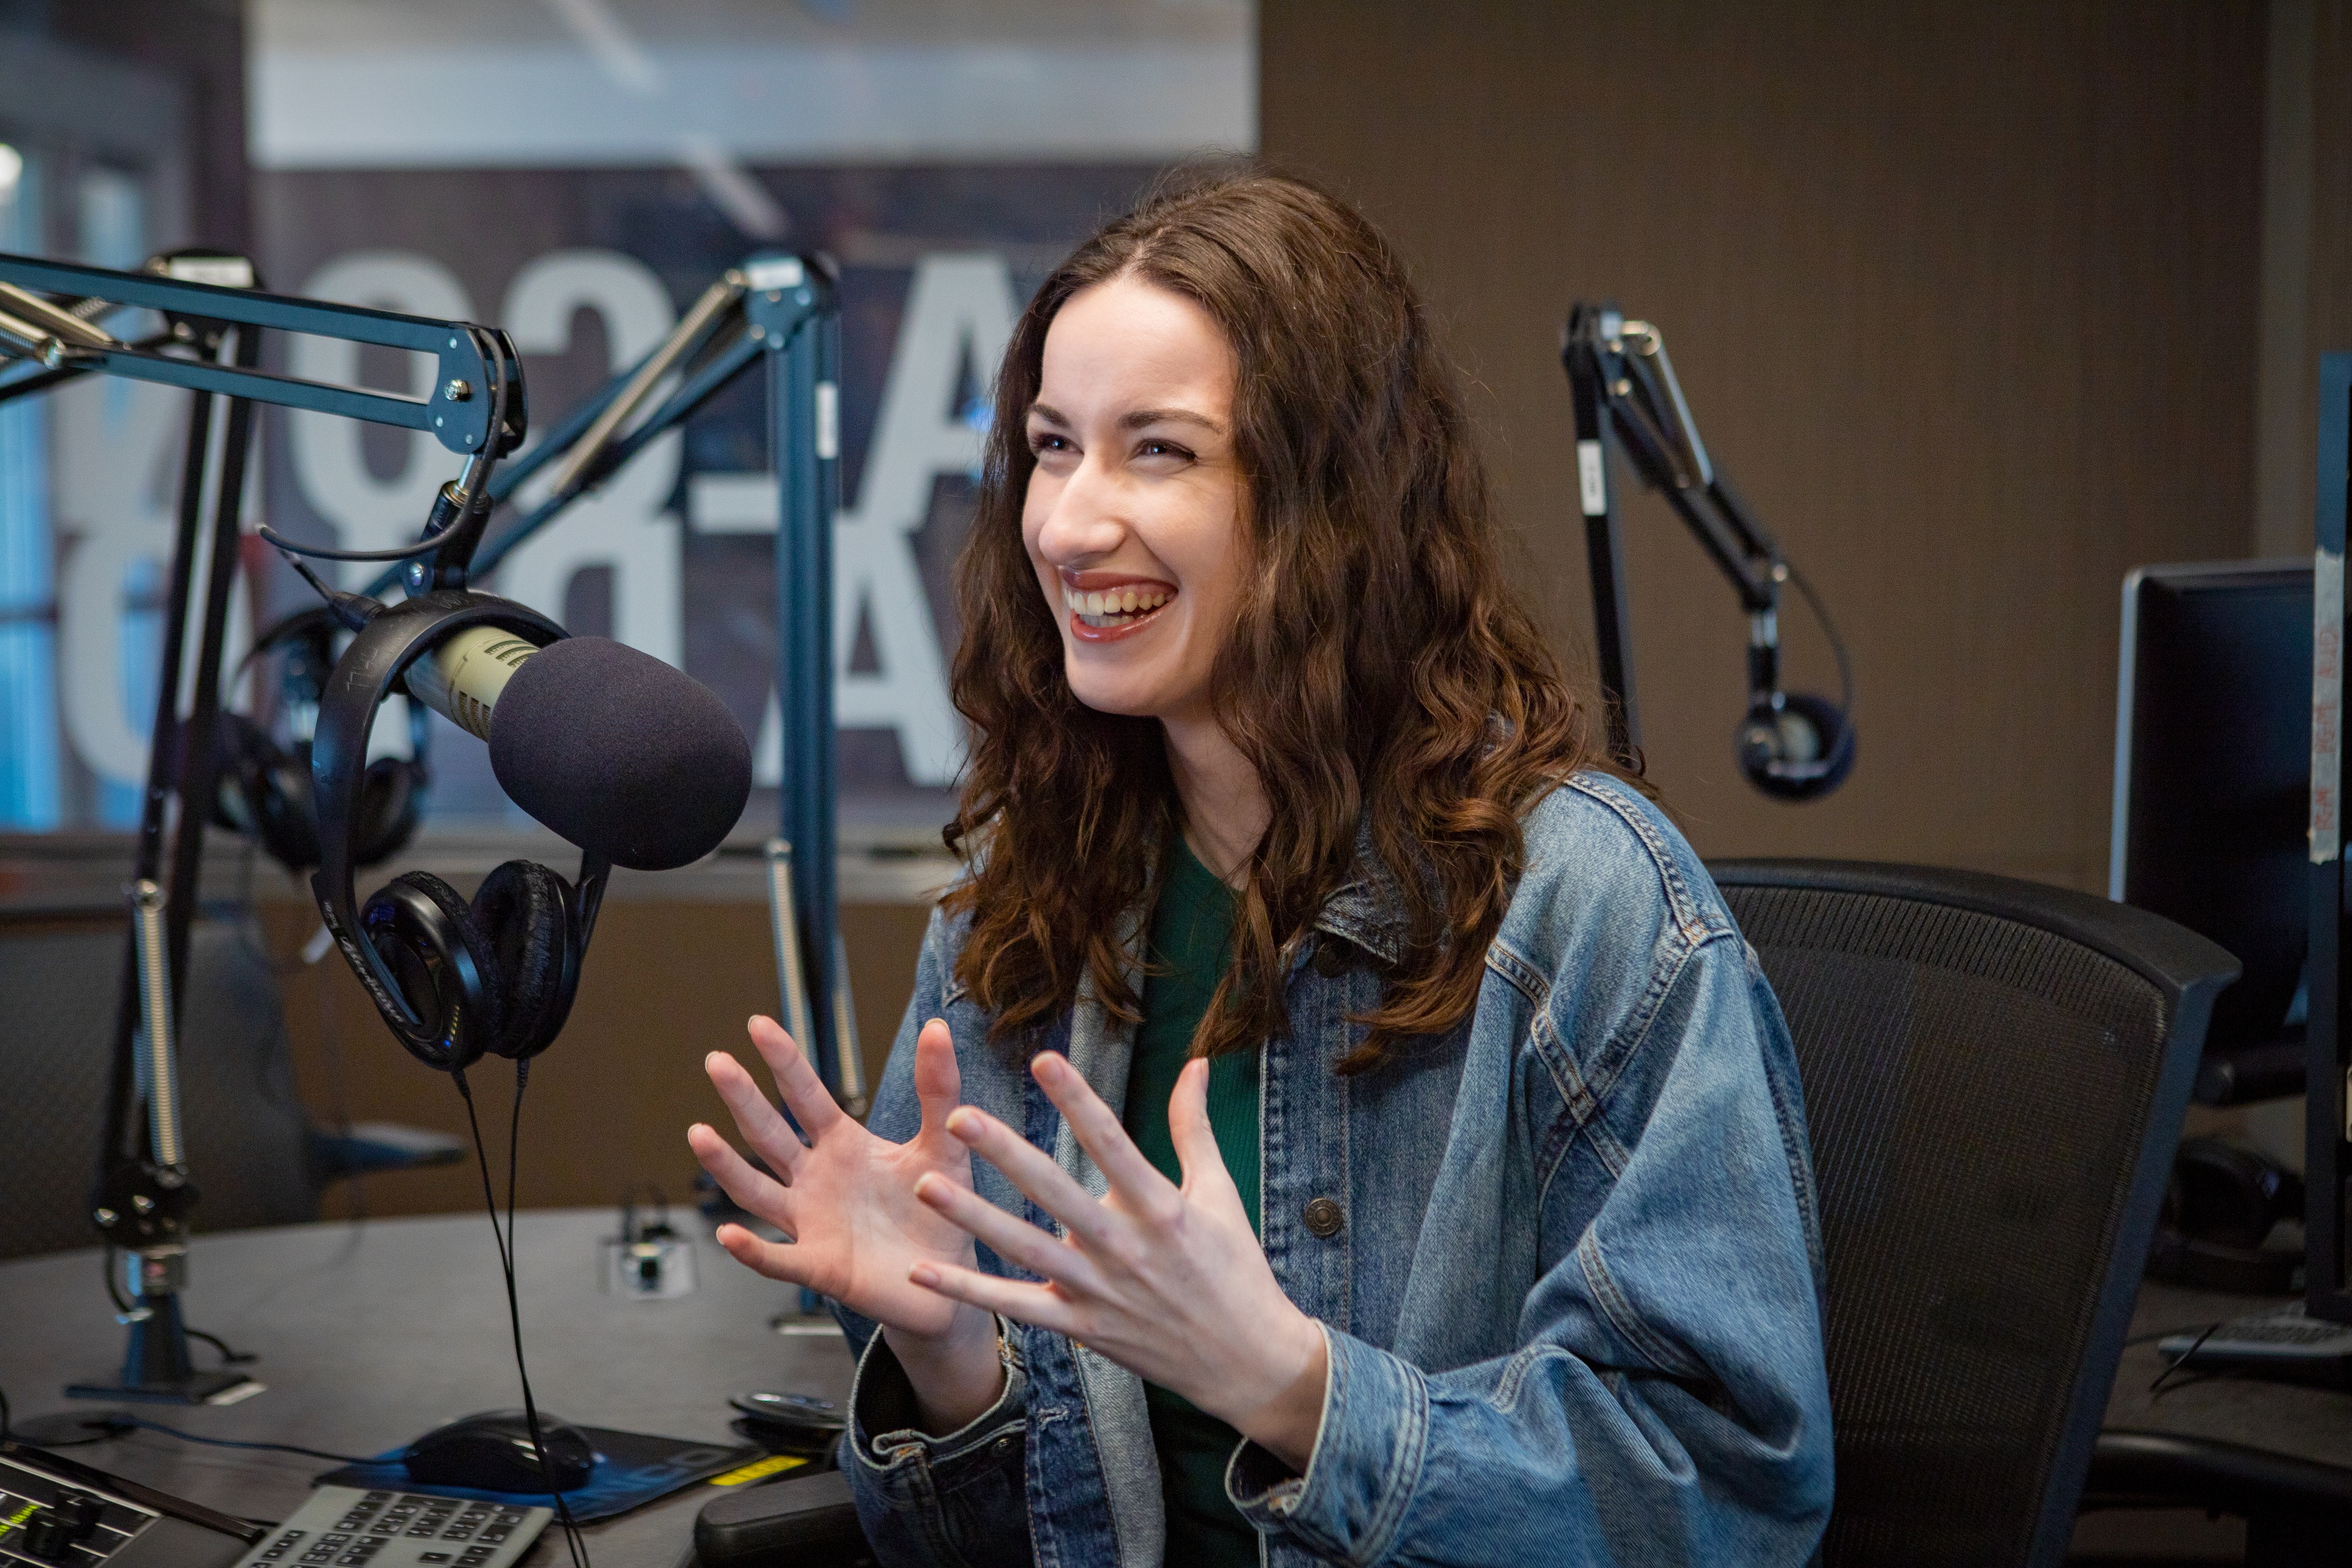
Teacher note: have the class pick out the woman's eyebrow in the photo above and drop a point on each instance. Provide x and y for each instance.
(1049, 414)
(1144, 416)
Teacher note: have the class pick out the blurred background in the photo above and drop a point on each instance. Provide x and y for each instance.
(1982, 306)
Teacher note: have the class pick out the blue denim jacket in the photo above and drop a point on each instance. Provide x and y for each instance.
(1573, 1297)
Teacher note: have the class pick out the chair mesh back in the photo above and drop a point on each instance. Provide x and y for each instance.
(248, 1138)
(1978, 1090)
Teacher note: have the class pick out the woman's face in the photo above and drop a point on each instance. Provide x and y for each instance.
(1133, 516)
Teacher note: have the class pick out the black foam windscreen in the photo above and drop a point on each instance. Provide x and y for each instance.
(620, 753)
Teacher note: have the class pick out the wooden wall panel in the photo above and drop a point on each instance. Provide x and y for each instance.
(609, 1102)
(1961, 298)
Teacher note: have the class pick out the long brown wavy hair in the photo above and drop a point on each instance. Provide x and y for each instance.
(1379, 673)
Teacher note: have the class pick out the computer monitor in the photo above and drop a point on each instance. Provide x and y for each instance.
(2212, 794)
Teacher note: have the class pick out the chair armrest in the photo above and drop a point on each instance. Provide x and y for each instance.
(808, 1519)
(2166, 1470)
(372, 1146)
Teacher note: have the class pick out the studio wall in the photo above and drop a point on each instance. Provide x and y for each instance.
(1961, 297)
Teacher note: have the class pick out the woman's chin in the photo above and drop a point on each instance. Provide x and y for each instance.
(1128, 699)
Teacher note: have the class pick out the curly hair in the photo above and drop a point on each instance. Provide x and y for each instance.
(1379, 676)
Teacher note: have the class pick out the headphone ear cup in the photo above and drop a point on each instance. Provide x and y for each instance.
(388, 797)
(264, 792)
(1804, 749)
(525, 911)
(446, 964)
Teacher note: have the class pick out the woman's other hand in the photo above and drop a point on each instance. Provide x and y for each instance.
(1169, 1281)
(846, 1199)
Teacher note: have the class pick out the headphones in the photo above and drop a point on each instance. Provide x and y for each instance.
(264, 789)
(2219, 1207)
(1792, 745)
(454, 979)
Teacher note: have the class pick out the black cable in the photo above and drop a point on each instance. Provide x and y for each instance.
(573, 1545)
(2177, 1363)
(228, 1356)
(424, 546)
(1830, 631)
(144, 1425)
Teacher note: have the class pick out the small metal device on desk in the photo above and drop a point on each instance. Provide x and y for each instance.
(344, 1527)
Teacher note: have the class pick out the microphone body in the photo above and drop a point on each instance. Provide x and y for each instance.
(463, 678)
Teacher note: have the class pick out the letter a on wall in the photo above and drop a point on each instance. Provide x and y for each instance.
(960, 304)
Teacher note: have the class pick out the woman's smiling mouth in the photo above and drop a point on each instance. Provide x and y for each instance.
(1102, 610)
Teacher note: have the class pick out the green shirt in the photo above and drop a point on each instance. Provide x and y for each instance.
(1190, 948)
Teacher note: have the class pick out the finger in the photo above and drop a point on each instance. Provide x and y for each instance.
(939, 1086)
(1098, 1133)
(1016, 1298)
(1013, 1238)
(810, 1101)
(1032, 1171)
(776, 1261)
(1197, 1153)
(762, 1195)
(756, 1117)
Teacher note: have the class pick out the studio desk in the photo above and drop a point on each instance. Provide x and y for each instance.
(371, 1333)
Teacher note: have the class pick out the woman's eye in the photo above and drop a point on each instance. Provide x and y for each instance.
(1044, 441)
(1161, 449)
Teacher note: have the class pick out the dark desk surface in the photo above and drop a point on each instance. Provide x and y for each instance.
(371, 1334)
(2308, 1423)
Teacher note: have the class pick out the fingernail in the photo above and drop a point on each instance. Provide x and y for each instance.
(964, 1123)
(926, 1276)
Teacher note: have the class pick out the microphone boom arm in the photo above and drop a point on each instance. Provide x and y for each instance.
(1626, 398)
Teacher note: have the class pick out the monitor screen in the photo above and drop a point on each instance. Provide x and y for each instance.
(2214, 776)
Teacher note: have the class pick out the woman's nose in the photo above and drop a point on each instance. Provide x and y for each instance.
(1084, 522)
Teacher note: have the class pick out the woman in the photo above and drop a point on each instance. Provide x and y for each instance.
(1388, 1150)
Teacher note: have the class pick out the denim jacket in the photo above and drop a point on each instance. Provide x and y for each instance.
(1566, 1258)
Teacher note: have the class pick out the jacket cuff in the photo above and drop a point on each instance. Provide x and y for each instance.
(1366, 1462)
(884, 1440)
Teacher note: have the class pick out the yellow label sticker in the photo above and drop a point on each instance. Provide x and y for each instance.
(760, 1469)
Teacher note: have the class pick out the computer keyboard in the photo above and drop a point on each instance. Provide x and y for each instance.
(2284, 1344)
(344, 1527)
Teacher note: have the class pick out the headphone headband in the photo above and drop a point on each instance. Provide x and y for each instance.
(367, 673)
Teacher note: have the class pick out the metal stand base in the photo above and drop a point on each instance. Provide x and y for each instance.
(155, 1365)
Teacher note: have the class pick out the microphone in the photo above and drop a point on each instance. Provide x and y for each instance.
(609, 747)
(616, 751)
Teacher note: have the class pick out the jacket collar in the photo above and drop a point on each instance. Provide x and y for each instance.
(1367, 910)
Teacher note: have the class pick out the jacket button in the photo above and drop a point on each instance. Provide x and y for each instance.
(1332, 958)
(1323, 1218)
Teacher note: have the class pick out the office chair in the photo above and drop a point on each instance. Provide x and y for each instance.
(1994, 1076)
(255, 1158)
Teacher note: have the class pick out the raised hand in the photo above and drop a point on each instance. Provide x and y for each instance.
(846, 1199)
(1168, 1281)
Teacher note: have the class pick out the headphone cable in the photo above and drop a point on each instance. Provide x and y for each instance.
(1829, 630)
(576, 1548)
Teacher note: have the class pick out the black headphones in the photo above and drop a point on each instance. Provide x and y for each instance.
(264, 789)
(2219, 1207)
(1792, 745)
(454, 979)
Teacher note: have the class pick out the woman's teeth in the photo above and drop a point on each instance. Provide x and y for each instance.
(1113, 606)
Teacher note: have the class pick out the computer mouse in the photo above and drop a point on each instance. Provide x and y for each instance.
(492, 1452)
(789, 1423)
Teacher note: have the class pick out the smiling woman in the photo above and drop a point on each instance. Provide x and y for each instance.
(1386, 1150)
